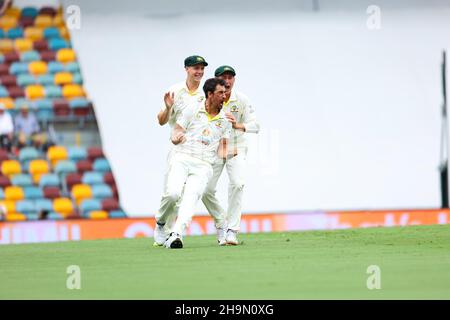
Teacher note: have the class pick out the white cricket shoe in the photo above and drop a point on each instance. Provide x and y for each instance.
(231, 238)
(221, 236)
(174, 242)
(160, 236)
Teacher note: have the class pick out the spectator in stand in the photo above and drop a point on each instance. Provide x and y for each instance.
(6, 129)
(27, 129)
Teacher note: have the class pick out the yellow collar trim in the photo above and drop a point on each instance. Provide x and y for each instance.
(216, 117)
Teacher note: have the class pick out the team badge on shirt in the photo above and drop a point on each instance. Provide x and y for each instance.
(205, 138)
(234, 108)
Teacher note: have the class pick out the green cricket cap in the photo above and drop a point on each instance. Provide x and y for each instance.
(194, 60)
(221, 70)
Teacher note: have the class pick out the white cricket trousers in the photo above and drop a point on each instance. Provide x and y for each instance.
(186, 181)
(236, 167)
(168, 209)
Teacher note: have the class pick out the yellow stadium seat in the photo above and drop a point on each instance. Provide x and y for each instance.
(98, 214)
(58, 20)
(72, 91)
(62, 78)
(56, 153)
(11, 167)
(14, 193)
(13, 12)
(6, 45)
(23, 45)
(35, 92)
(8, 205)
(37, 168)
(65, 55)
(64, 206)
(8, 22)
(34, 33)
(7, 102)
(64, 32)
(37, 67)
(15, 217)
(43, 21)
(80, 192)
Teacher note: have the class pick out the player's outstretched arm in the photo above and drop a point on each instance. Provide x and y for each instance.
(164, 114)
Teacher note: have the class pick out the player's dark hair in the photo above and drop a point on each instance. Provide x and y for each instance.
(211, 85)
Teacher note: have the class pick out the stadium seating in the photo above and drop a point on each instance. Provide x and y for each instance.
(39, 68)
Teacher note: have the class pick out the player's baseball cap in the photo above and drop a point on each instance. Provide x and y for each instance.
(194, 60)
(223, 69)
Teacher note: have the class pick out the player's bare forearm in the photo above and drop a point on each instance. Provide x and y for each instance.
(239, 126)
(163, 116)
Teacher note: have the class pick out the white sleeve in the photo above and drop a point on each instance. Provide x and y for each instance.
(250, 121)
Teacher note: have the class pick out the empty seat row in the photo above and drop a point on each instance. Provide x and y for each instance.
(38, 68)
(31, 192)
(26, 79)
(14, 105)
(101, 214)
(15, 30)
(14, 193)
(61, 205)
(32, 33)
(31, 12)
(23, 44)
(38, 91)
(57, 153)
(58, 161)
(78, 192)
(29, 54)
(72, 177)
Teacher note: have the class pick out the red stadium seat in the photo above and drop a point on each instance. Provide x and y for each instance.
(115, 192)
(25, 22)
(41, 45)
(94, 153)
(73, 179)
(11, 56)
(48, 55)
(3, 155)
(8, 80)
(4, 181)
(83, 166)
(108, 178)
(16, 92)
(110, 205)
(52, 192)
(4, 69)
(61, 107)
(47, 11)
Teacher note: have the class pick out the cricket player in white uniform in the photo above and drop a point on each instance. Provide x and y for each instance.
(241, 113)
(186, 94)
(200, 137)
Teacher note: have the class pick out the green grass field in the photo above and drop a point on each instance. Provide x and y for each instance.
(414, 262)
